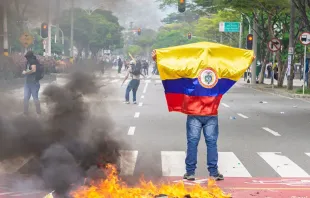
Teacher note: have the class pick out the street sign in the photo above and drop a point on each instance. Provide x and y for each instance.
(274, 45)
(305, 38)
(229, 27)
(26, 39)
(290, 50)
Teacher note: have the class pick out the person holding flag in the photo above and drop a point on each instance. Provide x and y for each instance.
(195, 77)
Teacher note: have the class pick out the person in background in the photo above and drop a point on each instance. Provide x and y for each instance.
(135, 72)
(32, 85)
(119, 64)
(145, 67)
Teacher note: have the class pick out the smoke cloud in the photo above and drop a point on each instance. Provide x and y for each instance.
(67, 143)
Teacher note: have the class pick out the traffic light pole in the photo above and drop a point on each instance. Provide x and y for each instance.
(5, 30)
(253, 67)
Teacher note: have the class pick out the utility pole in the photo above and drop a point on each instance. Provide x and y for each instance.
(57, 11)
(72, 26)
(255, 36)
(5, 30)
(49, 21)
(291, 50)
(241, 32)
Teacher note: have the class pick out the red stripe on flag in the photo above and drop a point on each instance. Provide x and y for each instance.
(193, 105)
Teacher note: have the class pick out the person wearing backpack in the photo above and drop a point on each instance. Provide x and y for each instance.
(135, 72)
(33, 72)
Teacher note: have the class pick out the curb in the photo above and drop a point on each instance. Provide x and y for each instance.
(274, 91)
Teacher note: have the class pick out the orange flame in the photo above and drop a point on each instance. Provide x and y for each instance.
(113, 187)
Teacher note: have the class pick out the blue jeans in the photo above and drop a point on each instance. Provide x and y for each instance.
(209, 126)
(32, 89)
(132, 86)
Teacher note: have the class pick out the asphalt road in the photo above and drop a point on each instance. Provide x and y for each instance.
(262, 135)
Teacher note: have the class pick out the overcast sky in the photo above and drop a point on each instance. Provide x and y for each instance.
(144, 13)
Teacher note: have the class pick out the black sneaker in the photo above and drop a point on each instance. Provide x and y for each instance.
(218, 177)
(190, 177)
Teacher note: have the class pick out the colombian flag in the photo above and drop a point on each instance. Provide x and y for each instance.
(196, 76)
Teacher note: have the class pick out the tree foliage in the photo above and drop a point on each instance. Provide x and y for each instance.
(96, 31)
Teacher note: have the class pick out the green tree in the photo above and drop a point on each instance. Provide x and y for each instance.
(135, 50)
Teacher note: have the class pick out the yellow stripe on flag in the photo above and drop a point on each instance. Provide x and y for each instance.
(186, 61)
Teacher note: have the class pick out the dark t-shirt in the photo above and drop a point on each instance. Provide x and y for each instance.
(31, 78)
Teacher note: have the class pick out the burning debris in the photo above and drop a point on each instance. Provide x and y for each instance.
(114, 187)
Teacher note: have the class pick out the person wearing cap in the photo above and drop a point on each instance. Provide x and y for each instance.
(135, 72)
(32, 85)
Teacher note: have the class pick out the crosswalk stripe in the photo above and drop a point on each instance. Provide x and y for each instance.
(230, 166)
(283, 165)
(173, 163)
(128, 162)
(157, 81)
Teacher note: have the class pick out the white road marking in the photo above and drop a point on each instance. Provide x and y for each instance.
(158, 81)
(6, 193)
(283, 165)
(145, 88)
(147, 81)
(137, 114)
(243, 116)
(140, 104)
(23, 194)
(115, 80)
(106, 80)
(113, 76)
(225, 105)
(142, 96)
(131, 130)
(271, 131)
(308, 154)
(231, 166)
(173, 163)
(128, 162)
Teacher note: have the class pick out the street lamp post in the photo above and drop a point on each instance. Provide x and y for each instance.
(72, 26)
(62, 37)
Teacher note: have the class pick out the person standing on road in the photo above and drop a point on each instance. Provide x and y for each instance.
(135, 72)
(194, 85)
(145, 67)
(32, 85)
(119, 64)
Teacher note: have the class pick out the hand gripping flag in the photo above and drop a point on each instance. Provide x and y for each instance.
(196, 76)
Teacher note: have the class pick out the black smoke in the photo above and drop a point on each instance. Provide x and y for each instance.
(67, 142)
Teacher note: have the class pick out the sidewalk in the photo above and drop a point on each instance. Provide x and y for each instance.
(267, 87)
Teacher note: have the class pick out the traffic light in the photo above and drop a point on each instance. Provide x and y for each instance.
(189, 35)
(44, 30)
(139, 31)
(249, 41)
(181, 5)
